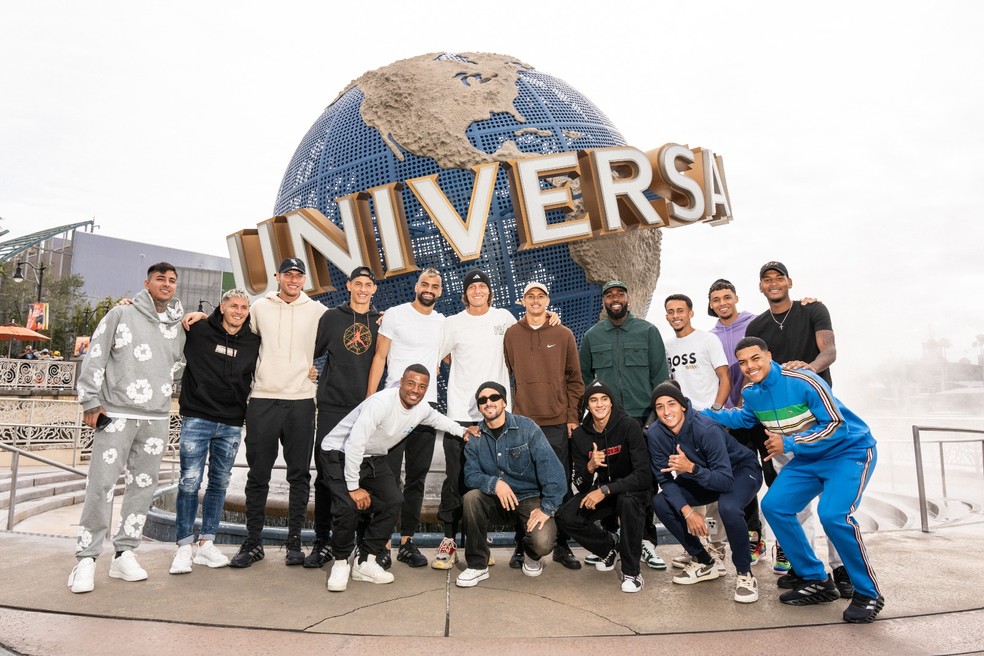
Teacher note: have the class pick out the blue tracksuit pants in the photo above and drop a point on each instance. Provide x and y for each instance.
(839, 482)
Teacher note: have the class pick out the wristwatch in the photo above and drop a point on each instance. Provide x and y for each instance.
(693, 472)
(717, 406)
(605, 490)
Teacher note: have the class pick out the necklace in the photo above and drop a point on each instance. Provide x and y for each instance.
(779, 323)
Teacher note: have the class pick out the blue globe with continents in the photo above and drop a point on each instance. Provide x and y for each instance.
(440, 115)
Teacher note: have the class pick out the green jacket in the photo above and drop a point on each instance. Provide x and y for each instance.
(629, 358)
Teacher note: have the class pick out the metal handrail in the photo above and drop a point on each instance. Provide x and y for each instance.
(920, 478)
(14, 466)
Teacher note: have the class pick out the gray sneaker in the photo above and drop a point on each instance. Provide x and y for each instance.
(532, 567)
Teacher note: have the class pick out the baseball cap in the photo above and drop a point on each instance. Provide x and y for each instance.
(535, 285)
(611, 284)
(776, 266)
(362, 272)
(290, 264)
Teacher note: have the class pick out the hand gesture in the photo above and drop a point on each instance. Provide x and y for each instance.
(596, 458)
(679, 462)
(774, 444)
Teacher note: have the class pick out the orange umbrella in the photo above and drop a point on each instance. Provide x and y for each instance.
(13, 331)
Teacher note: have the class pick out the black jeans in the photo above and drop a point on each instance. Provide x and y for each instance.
(376, 478)
(449, 512)
(327, 420)
(627, 508)
(482, 509)
(269, 423)
(731, 507)
(419, 449)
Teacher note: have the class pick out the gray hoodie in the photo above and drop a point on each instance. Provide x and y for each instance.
(133, 360)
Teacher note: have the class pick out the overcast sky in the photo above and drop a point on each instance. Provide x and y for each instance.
(851, 132)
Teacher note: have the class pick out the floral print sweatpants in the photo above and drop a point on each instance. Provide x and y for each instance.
(135, 446)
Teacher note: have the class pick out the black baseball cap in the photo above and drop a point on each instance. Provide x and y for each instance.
(774, 266)
(291, 264)
(362, 272)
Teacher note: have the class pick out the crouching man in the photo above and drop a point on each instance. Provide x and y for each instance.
(360, 480)
(611, 472)
(696, 462)
(512, 472)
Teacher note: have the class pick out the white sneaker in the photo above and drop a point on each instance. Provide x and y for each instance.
(370, 571)
(209, 555)
(182, 560)
(470, 577)
(695, 572)
(719, 553)
(650, 557)
(447, 554)
(82, 578)
(746, 589)
(532, 567)
(338, 577)
(632, 583)
(127, 568)
(682, 560)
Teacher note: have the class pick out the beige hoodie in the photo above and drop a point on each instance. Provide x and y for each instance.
(287, 338)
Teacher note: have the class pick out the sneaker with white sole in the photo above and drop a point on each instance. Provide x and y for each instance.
(650, 557)
(338, 577)
(632, 583)
(370, 571)
(592, 559)
(607, 563)
(83, 576)
(127, 568)
(446, 555)
(470, 577)
(696, 572)
(208, 554)
(182, 560)
(532, 567)
(746, 589)
(682, 560)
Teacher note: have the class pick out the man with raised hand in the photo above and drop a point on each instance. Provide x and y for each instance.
(125, 387)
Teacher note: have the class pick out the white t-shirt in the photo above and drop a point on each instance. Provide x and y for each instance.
(416, 339)
(475, 345)
(692, 360)
(377, 425)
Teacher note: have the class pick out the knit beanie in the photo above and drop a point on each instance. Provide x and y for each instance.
(490, 384)
(669, 388)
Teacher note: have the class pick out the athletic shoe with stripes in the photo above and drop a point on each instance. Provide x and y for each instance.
(811, 592)
(863, 609)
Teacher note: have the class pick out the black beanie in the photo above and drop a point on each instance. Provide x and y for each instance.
(598, 387)
(669, 388)
(490, 384)
(477, 275)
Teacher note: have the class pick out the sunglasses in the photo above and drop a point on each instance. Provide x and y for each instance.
(494, 398)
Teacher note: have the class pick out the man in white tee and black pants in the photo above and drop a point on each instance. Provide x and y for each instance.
(411, 333)
(354, 458)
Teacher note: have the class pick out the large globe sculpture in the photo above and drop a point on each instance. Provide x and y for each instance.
(440, 114)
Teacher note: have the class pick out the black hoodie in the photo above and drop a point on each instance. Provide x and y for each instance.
(626, 455)
(351, 342)
(219, 371)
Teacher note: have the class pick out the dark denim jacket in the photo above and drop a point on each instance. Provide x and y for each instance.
(522, 457)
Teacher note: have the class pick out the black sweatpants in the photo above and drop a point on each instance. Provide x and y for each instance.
(376, 478)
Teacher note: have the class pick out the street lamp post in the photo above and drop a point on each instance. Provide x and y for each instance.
(19, 275)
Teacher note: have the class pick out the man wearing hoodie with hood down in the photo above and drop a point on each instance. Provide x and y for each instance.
(611, 473)
(696, 462)
(125, 390)
(221, 355)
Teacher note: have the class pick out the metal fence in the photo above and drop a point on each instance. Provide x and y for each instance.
(37, 374)
(917, 443)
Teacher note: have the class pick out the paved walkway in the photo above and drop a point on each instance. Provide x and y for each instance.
(932, 584)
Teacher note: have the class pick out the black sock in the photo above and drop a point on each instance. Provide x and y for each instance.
(704, 558)
(118, 554)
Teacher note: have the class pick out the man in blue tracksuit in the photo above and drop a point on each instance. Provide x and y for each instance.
(834, 457)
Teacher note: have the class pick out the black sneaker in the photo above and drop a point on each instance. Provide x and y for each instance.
(790, 580)
(863, 608)
(295, 555)
(843, 582)
(562, 554)
(607, 563)
(249, 553)
(410, 555)
(811, 592)
(320, 554)
(516, 561)
(385, 560)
